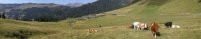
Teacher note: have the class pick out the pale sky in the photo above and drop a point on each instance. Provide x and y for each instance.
(47, 1)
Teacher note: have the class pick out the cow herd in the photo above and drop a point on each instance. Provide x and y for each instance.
(139, 26)
(153, 27)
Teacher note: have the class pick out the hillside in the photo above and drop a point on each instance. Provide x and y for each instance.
(185, 13)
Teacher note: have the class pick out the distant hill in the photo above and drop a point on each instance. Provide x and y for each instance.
(29, 11)
(8, 7)
(3, 7)
(54, 12)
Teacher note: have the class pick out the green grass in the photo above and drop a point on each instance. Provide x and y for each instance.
(185, 13)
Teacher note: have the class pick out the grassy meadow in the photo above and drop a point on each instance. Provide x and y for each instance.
(186, 13)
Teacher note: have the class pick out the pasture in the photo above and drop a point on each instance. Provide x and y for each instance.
(185, 13)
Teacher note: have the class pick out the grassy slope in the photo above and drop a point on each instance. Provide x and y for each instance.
(185, 13)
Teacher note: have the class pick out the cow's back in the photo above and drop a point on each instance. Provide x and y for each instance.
(154, 27)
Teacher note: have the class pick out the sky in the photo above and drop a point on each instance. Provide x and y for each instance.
(47, 1)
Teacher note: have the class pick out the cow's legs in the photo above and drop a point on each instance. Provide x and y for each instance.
(138, 28)
(154, 34)
(135, 27)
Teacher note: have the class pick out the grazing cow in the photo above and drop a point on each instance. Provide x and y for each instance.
(92, 30)
(135, 24)
(140, 26)
(168, 24)
(154, 29)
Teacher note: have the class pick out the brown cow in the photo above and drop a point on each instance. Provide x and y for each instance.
(154, 29)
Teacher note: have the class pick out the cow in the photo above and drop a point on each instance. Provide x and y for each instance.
(168, 24)
(92, 30)
(140, 26)
(135, 25)
(154, 29)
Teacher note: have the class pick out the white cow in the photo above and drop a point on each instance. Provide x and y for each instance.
(136, 24)
(139, 25)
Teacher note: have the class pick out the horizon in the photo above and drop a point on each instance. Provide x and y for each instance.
(46, 1)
